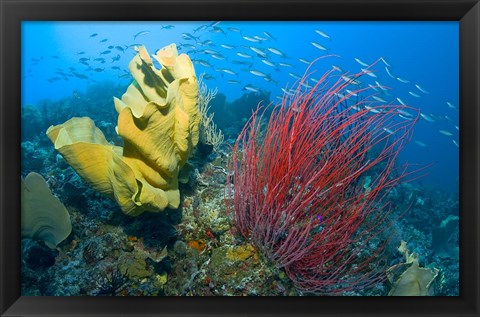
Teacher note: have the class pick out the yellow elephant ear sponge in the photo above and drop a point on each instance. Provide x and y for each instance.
(44, 217)
(413, 280)
(158, 119)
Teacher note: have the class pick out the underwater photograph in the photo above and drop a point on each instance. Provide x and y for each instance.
(235, 158)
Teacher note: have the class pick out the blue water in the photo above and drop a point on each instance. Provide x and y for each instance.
(424, 53)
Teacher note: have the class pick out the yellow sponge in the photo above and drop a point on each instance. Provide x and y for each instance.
(158, 119)
(44, 217)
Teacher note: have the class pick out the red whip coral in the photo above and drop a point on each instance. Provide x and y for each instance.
(309, 188)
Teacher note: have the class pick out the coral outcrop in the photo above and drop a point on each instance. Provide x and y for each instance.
(158, 119)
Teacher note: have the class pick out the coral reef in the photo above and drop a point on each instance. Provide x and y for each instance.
(195, 250)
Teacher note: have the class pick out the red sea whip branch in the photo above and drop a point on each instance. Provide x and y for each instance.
(297, 192)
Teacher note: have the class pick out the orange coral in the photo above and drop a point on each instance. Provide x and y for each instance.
(198, 245)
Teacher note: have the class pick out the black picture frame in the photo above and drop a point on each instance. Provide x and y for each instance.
(15, 11)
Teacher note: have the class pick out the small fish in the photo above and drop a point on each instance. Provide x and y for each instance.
(388, 131)
(217, 29)
(259, 38)
(103, 41)
(119, 48)
(258, 51)
(451, 105)
(288, 92)
(167, 27)
(294, 75)
(208, 77)
(314, 80)
(445, 132)
(202, 62)
(188, 46)
(350, 80)
(427, 117)
(380, 86)
(100, 59)
(214, 24)
(116, 67)
(420, 143)
(401, 101)
(267, 62)
(251, 39)
(232, 29)
(421, 89)
(325, 35)
(338, 68)
(98, 70)
(200, 28)
(403, 80)
(406, 114)
(207, 51)
(304, 61)
(228, 47)
(318, 46)
(389, 73)
(405, 117)
(81, 53)
(244, 55)
(124, 76)
(116, 58)
(276, 52)
(305, 85)
(270, 80)
(373, 87)
(231, 81)
(105, 52)
(371, 109)
(369, 73)
(242, 63)
(188, 36)
(456, 127)
(361, 63)
(206, 42)
(285, 64)
(414, 94)
(384, 61)
(258, 73)
(226, 70)
(270, 36)
(84, 59)
(378, 99)
(93, 35)
(456, 143)
(251, 88)
(110, 47)
(218, 56)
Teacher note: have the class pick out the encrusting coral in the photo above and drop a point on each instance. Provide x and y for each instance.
(158, 119)
(44, 217)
